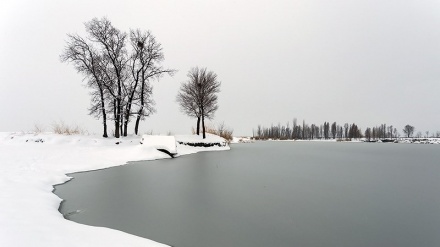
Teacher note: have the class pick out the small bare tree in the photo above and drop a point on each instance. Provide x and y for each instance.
(408, 130)
(333, 130)
(198, 96)
(368, 134)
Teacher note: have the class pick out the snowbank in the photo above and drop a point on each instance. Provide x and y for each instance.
(242, 140)
(31, 164)
(210, 138)
(160, 142)
(431, 140)
(193, 143)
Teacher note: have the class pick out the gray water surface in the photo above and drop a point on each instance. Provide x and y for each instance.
(270, 194)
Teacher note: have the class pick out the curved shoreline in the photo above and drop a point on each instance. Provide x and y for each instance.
(30, 169)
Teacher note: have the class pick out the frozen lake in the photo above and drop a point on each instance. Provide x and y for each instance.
(270, 194)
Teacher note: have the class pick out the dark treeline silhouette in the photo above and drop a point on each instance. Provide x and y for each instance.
(327, 130)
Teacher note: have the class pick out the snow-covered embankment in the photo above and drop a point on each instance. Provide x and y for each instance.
(31, 164)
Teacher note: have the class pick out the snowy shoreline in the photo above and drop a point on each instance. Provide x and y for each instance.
(30, 165)
(402, 140)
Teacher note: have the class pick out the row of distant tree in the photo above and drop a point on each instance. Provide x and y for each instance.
(327, 130)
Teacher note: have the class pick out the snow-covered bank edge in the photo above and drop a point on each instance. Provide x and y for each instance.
(30, 165)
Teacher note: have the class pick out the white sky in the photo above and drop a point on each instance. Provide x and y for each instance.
(362, 61)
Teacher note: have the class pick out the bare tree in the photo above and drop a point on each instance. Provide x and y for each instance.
(333, 130)
(326, 130)
(88, 62)
(346, 128)
(408, 130)
(112, 44)
(368, 134)
(198, 96)
(144, 66)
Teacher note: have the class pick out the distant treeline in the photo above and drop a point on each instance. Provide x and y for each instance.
(327, 130)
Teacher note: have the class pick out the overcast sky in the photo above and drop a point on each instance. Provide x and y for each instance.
(362, 61)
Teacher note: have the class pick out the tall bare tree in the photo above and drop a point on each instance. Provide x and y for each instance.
(112, 42)
(198, 96)
(334, 130)
(145, 66)
(368, 134)
(87, 61)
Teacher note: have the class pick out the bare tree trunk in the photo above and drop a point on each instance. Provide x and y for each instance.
(125, 125)
(141, 109)
(128, 108)
(203, 126)
(203, 122)
(120, 126)
(126, 119)
(104, 115)
(119, 115)
(198, 125)
(115, 113)
(105, 126)
(116, 129)
(138, 119)
(136, 126)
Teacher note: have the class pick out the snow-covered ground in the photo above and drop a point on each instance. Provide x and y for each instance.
(241, 140)
(31, 164)
(430, 140)
(160, 142)
(186, 143)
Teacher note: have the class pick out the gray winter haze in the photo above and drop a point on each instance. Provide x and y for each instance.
(367, 62)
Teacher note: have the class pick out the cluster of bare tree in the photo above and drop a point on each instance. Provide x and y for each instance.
(409, 130)
(381, 132)
(305, 131)
(328, 131)
(118, 68)
(197, 97)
